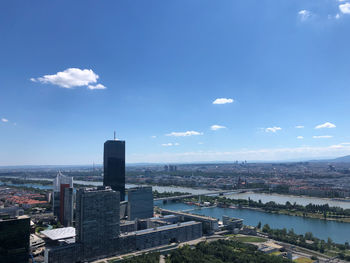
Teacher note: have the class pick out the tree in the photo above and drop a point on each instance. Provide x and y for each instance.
(259, 225)
(266, 228)
(329, 242)
(308, 236)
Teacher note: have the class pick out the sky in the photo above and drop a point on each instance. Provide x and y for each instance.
(179, 81)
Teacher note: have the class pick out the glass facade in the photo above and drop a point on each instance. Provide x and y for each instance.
(114, 166)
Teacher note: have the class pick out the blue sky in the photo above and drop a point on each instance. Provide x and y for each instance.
(72, 72)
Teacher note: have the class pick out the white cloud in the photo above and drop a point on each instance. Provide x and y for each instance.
(4, 120)
(200, 143)
(304, 15)
(325, 125)
(337, 146)
(184, 134)
(273, 129)
(153, 137)
(70, 78)
(345, 143)
(322, 136)
(170, 144)
(98, 86)
(299, 127)
(300, 137)
(337, 16)
(222, 101)
(345, 8)
(217, 127)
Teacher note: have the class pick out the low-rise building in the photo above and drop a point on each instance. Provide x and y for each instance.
(232, 224)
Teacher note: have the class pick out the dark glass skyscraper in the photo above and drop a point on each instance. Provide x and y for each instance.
(114, 166)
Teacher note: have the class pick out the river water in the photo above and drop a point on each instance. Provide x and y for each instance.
(337, 231)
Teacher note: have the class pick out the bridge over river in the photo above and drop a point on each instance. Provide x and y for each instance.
(221, 192)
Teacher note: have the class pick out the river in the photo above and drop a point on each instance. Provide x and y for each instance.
(337, 231)
(160, 189)
(279, 199)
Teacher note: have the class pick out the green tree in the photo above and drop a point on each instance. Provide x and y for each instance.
(259, 225)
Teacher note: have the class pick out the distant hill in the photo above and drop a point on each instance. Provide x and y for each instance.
(344, 159)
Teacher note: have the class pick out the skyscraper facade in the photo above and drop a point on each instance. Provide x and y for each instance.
(68, 209)
(114, 166)
(97, 221)
(14, 239)
(60, 184)
(140, 203)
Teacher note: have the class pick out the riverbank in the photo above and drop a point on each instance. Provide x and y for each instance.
(322, 212)
(339, 232)
(283, 198)
(292, 213)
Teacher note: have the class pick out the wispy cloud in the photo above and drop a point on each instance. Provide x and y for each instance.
(217, 127)
(4, 120)
(337, 146)
(222, 101)
(98, 86)
(299, 127)
(70, 78)
(300, 137)
(184, 134)
(345, 8)
(322, 136)
(153, 137)
(325, 125)
(170, 144)
(304, 15)
(273, 129)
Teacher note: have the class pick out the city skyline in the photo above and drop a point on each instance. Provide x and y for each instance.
(179, 81)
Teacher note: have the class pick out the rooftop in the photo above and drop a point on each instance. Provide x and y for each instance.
(59, 233)
(149, 230)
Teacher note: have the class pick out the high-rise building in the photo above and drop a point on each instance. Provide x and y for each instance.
(97, 221)
(14, 239)
(60, 183)
(68, 211)
(140, 203)
(114, 166)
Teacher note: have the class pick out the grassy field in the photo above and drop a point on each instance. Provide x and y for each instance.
(303, 260)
